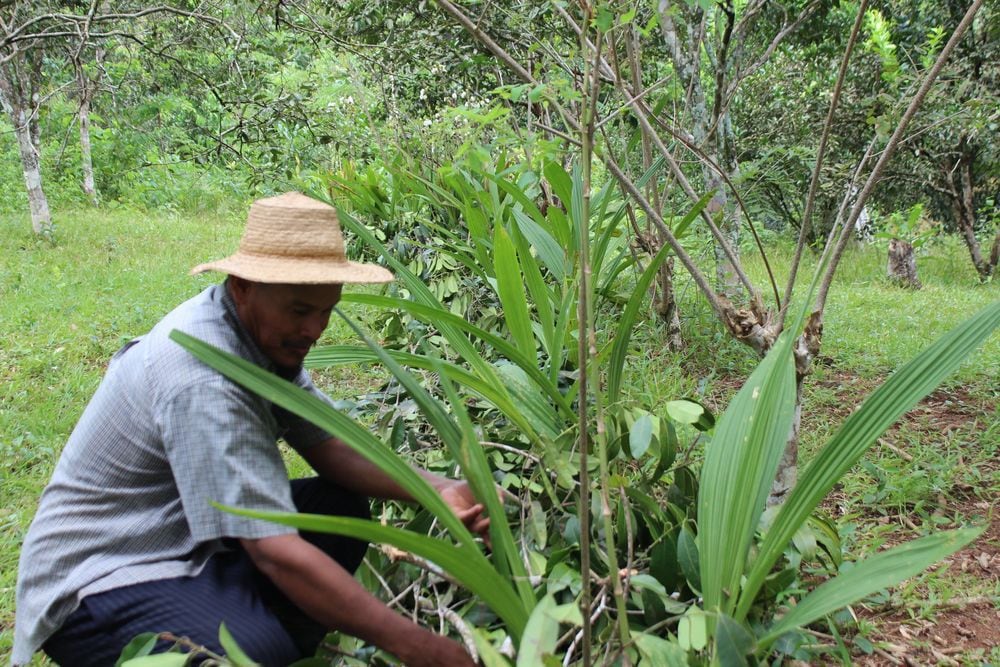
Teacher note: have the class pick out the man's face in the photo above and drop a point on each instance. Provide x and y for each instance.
(284, 320)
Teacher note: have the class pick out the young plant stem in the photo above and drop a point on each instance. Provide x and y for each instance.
(588, 339)
(583, 358)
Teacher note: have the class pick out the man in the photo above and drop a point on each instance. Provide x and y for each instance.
(125, 539)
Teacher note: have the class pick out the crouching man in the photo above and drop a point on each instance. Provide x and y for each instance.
(126, 541)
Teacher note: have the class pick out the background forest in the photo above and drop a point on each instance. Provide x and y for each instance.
(605, 219)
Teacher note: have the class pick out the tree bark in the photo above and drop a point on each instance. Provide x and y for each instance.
(665, 304)
(806, 348)
(18, 82)
(41, 218)
(902, 265)
(86, 159)
(85, 92)
(963, 207)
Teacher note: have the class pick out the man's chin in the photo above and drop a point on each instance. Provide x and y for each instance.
(288, 372)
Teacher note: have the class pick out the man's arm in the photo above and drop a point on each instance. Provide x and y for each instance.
(336, 461)
(319, 586)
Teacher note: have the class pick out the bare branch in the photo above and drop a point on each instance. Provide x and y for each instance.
(804, 227)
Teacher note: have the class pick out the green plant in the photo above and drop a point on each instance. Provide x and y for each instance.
(910, 227)
(740, 464)
(736, 475)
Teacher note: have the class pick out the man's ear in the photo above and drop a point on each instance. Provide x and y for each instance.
(239, 288)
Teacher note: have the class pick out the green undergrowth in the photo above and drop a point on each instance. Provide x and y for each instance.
(66, 306)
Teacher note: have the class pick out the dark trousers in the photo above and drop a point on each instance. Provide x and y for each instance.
(230, 589)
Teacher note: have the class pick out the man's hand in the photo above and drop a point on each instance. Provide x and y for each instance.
(321, 588)
(433, 650)
(458, 495)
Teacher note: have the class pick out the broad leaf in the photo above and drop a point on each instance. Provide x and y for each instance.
(879, 411)
(540, 634)
(882, 570)
(510, 289)
(740, 463)
(657, 652)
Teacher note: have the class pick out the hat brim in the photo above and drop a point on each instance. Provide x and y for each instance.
(297, 270)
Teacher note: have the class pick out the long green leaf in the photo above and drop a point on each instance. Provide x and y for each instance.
(879, 411)
(553, 255)
(465, 564)
(623, 333)
(510, 289)
(627, 320)
(465, 449)
(420, 293)
(882, 570)
(497, 394)
(540, 292)
(317, 411)
(234, 653)
(740, 464)
(433, 315)
(477, 471)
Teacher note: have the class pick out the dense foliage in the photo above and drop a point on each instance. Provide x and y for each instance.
(524, 265)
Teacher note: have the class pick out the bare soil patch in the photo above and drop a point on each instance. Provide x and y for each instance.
(957, 631)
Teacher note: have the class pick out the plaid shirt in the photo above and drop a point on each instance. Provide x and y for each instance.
(163, 435)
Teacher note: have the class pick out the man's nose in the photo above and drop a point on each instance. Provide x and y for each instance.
(313, 326)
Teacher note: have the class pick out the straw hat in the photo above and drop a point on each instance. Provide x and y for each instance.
(294, 239)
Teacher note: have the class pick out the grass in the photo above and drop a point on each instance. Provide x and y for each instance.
(110, 275)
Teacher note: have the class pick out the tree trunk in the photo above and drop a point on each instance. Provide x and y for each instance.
(41, 219)
(86, 159)
(902, 266)
(16, 98)
(665, 304)
(964, 211)
(806, 348)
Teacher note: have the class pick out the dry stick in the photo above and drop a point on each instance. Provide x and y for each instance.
(602, 597)
(814, 182)
(447, 614)
(890, 149)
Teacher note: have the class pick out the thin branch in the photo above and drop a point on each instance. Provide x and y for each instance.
(804, 227)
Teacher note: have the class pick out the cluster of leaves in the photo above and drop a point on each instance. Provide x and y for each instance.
(706, 571)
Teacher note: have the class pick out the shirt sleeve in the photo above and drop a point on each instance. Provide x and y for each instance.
(300, 433)
(221, 444)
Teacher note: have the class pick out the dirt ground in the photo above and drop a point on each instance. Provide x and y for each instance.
(965, 628)
(958, 631)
